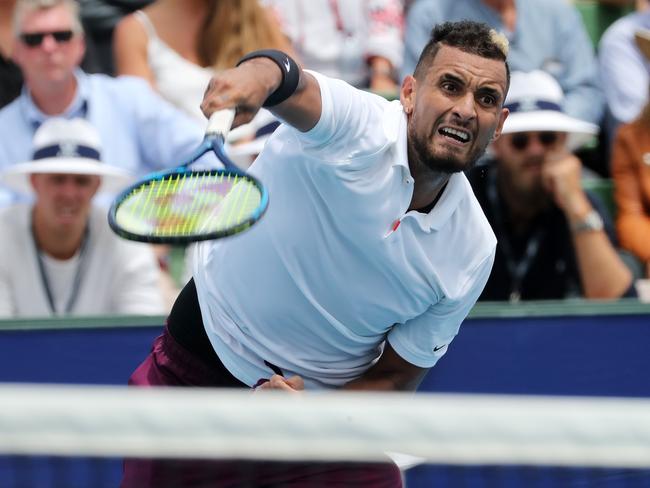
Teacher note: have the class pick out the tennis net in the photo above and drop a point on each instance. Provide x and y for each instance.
(72, 436)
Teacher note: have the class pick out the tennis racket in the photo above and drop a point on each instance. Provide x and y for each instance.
(182, 205)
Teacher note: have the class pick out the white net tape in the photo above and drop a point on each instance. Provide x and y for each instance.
(448, 429)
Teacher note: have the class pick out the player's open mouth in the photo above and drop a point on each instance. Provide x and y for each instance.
(457, 135)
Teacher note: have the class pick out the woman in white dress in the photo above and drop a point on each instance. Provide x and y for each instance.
(178, 44)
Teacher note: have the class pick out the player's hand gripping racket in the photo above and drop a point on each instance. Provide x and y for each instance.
(182, 205)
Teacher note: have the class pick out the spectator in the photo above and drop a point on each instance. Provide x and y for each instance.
(637, 4)
(624, 71)
(631, 173)
(177, 45)
(554, 239)
(99, 18)
(358, 41)
(10, 77)
(58, 256)
(140, 131)
(544, 35)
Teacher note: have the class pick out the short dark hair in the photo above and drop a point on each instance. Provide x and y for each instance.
(468, 36)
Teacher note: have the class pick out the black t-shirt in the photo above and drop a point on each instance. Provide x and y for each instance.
(539, 265)
(11, 81)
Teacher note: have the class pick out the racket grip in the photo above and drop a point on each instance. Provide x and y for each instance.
(220, 122)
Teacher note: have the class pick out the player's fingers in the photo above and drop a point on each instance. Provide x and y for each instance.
(213, 102)
(219, 94)
(243, 116)
(279, 383)
(296, 382)
(262, 386)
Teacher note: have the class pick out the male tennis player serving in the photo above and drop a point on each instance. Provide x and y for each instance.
(373, 249)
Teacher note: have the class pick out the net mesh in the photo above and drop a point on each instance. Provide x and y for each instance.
(78, 436)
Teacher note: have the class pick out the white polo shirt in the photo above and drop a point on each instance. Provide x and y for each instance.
(327, 276)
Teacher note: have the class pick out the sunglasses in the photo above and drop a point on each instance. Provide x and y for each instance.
(521, 140)
(33, 39)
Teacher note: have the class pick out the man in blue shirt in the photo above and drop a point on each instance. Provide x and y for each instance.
(624, 70)
(139, 130)
(543, 34)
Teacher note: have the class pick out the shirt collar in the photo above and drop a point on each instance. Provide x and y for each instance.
(77, 107)
(396, 128)
(453, 193)
(451, 197)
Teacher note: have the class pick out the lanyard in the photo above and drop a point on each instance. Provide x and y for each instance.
(77, 276)
(517, 268)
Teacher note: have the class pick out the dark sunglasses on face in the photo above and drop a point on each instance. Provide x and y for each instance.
(33, 39)
(521, 140)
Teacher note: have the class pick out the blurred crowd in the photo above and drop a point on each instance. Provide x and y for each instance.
(96, 93)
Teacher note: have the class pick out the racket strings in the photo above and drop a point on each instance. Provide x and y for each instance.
(190, 204)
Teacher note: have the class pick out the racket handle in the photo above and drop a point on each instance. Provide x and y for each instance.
(220, 122)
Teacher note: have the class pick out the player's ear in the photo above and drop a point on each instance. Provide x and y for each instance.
(407, 94)
(502, 118)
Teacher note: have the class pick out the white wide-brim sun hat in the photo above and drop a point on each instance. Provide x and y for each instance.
(63, 146)
(535, 100)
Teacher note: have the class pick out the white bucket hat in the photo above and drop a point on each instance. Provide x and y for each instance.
(63, 146)
(535, 103)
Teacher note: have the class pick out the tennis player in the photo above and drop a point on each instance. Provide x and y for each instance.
(373, 249)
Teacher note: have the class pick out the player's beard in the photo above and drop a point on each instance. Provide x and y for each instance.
(448, 163)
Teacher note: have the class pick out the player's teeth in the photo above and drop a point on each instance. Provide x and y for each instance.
(461, 135)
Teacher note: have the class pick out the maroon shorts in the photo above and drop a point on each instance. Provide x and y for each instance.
(169, 364)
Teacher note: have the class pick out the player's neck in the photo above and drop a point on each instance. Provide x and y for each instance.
(425, 194)
(54, 98)
(427, 183)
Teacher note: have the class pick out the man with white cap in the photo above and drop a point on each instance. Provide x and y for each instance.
(58, 255)
(140, 131)
(554, 239)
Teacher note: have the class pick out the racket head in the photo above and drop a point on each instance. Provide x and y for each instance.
(184, 206)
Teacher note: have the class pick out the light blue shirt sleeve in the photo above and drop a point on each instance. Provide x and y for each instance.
(167, 136)
(421, 18)
(140, 131)
(15, 145)
(623, 69)
(579, 77)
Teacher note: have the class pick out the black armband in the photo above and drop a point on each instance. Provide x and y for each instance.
(290, 74)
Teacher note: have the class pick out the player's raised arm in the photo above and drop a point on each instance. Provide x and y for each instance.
(269, 79)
